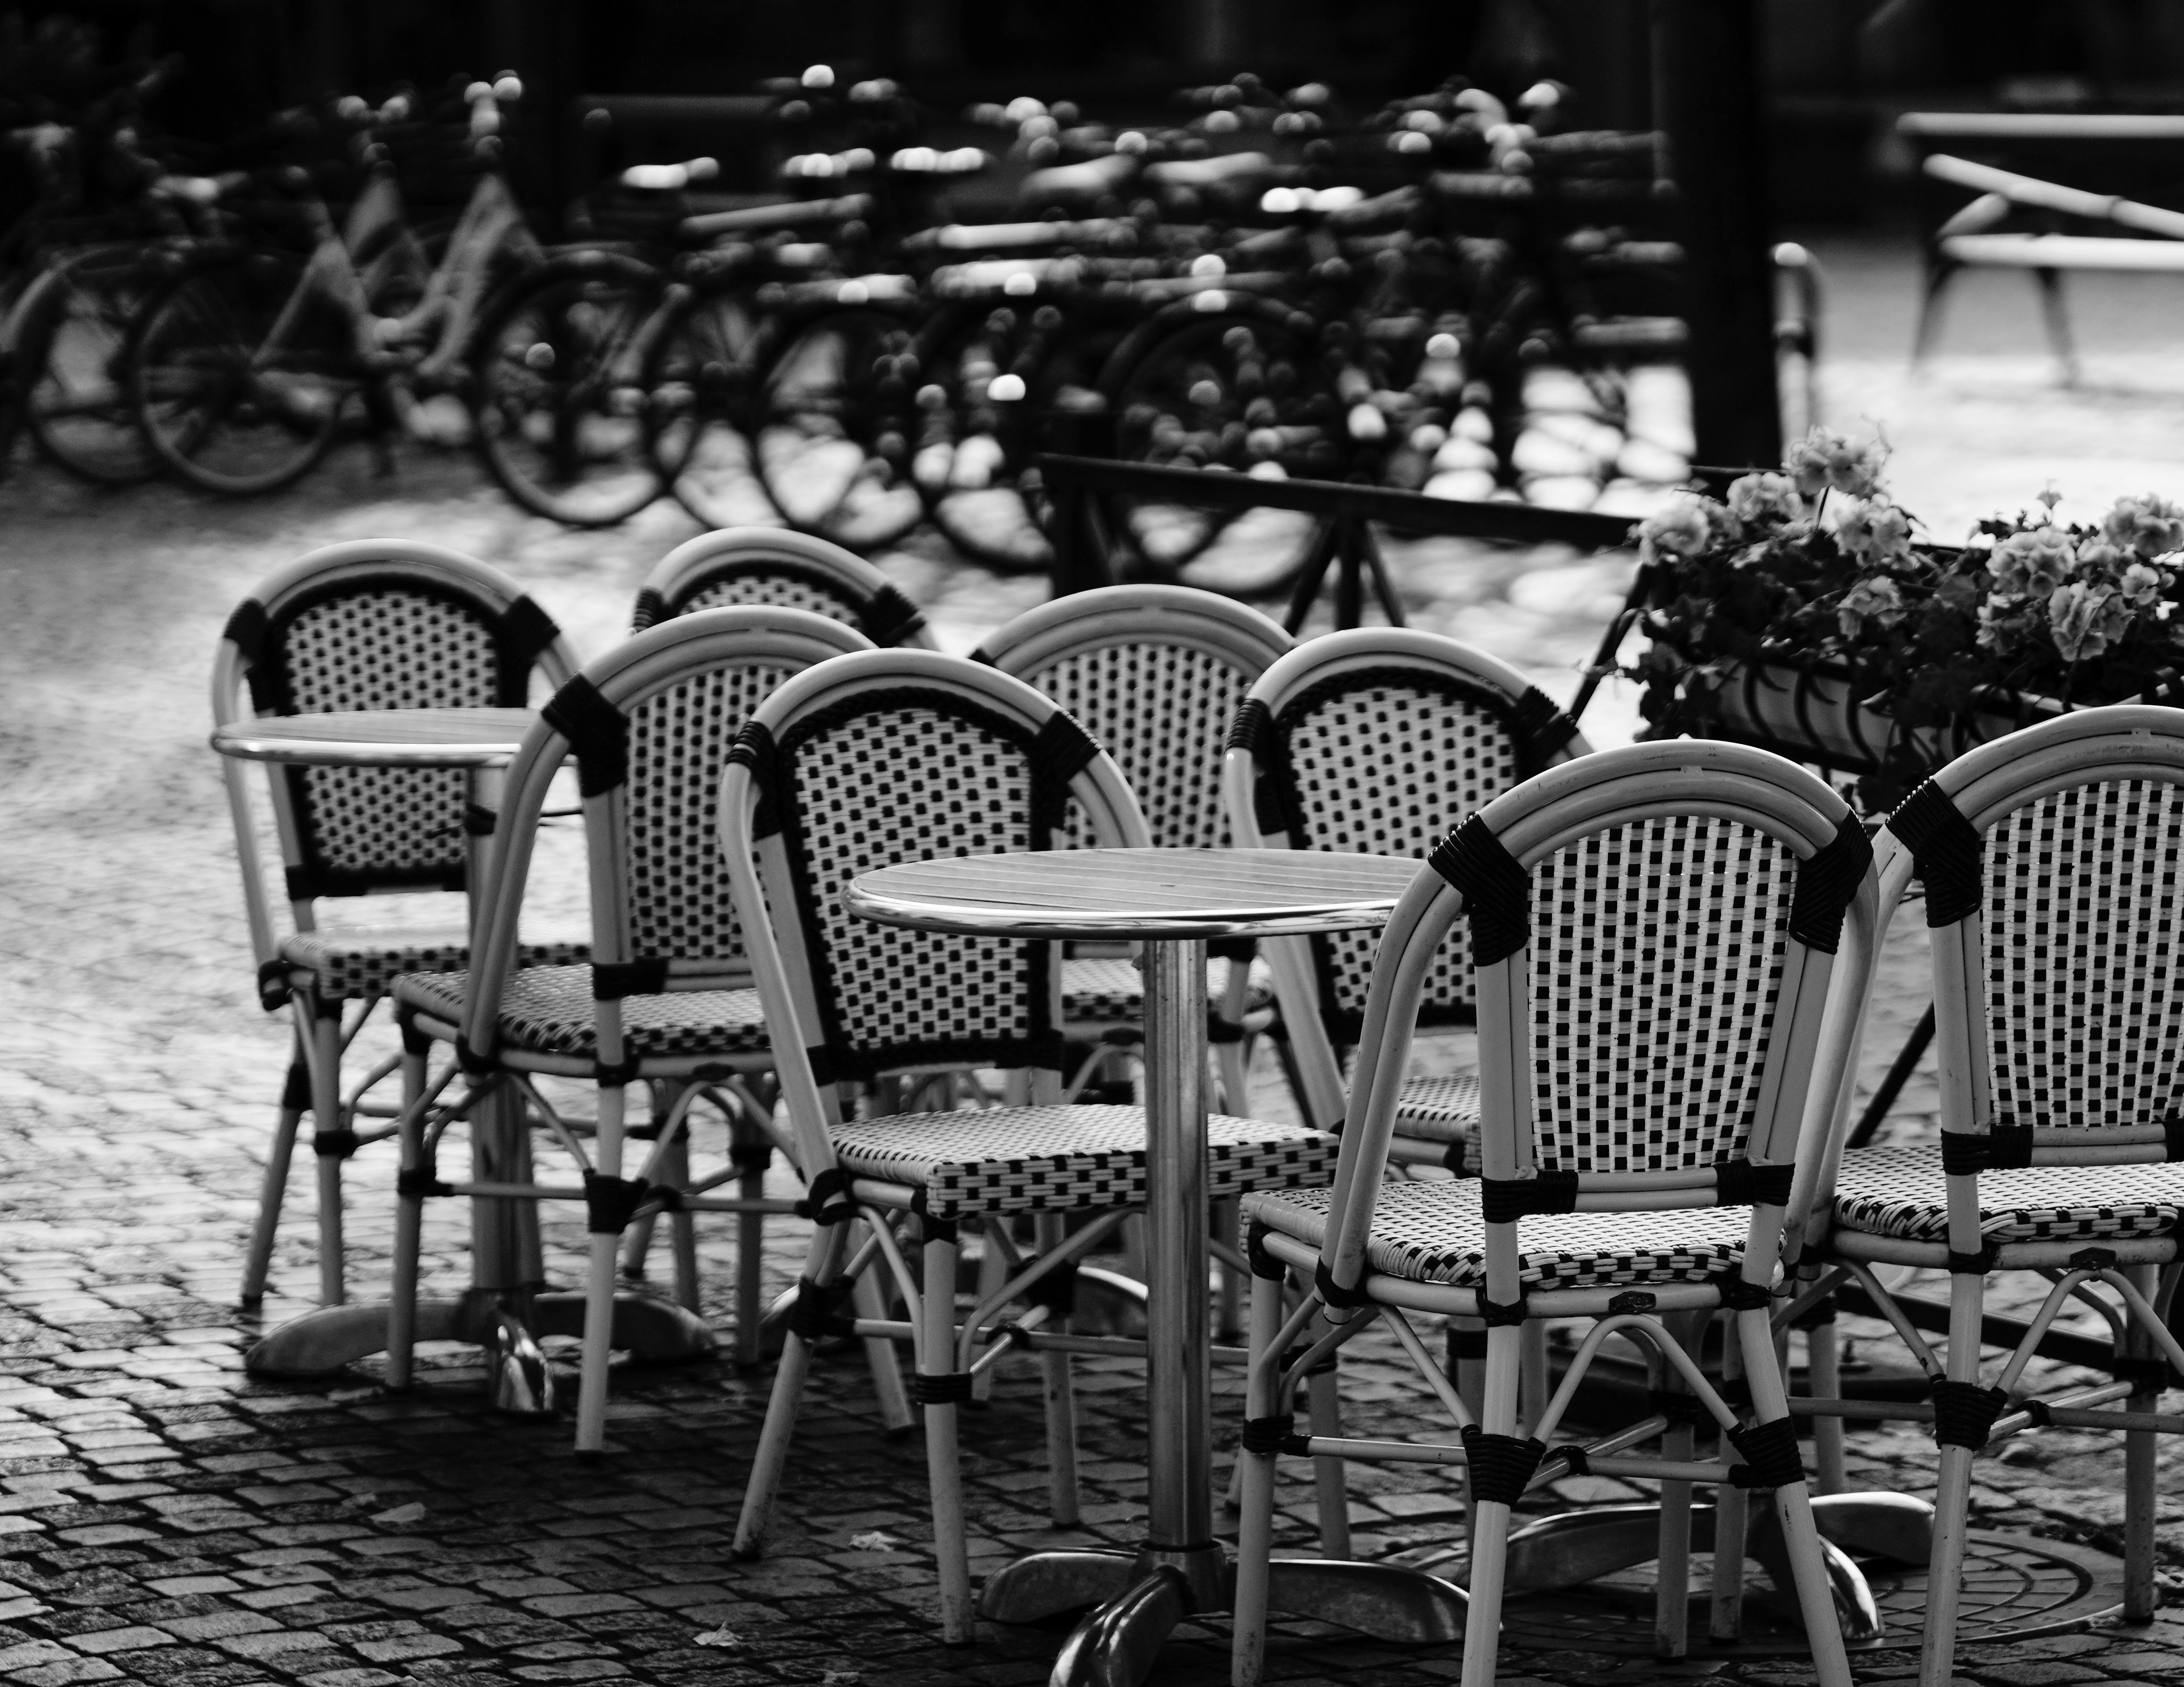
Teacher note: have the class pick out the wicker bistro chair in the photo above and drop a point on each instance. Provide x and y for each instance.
(1154, 673)
(2049, 858)
(370, 624)
(1380, 741)
(775, 565)
(906, 755)
(666, 999)
(1652, 931)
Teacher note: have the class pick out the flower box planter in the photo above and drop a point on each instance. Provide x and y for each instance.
(1811, 712)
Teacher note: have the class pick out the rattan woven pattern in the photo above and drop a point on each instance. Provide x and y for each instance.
(549, 1010)
(1901, 1192)
(386, 648)
(898, 783)
(1385, 763)
(1434, 1233)
(2085, 991)
(1099, 991)
(1160, 710)
(348, 966)
(678, 744)
(798, 591)
(1656, 955)
(1028, 1159)
(1438, 1109)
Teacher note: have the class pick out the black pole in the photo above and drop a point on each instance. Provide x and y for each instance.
(1706, 69)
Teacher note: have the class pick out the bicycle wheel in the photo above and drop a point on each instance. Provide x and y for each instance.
(835, 426)
(558, 369)
(1225, 392)
(225, 401)
(73, 325)
(973, 466)
(698, 378)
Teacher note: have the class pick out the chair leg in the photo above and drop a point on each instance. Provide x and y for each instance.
(1793, 1504)
(328, 1143)
(599, 1285)
(936, 1358)
(1672, 1588)
(637, 1240)
(770, 1457)
(993, 1272)
(1059, 1388)
(683, 1228)
(1824, 1369)
(1489, 1536)
(295, 1100)
(1952, 1492)
(1255, 1523)
(409, 1222)
(1330, 1477)
(1930, 312)
(869, 1296)
(1227, 1221)
(751, 1152)
(1731, 1506)
(2141, 1494)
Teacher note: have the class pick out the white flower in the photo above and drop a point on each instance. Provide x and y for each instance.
(1874, 531)
(1685, 528)
(1878, 601)
(2033, 563)
(2149, 526)
(1821, 459)
(1757, 497)
(2085, 619)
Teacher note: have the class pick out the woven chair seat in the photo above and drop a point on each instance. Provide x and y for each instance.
(1435, 1233)
(1034, 1159)
(1901, 1192)
(1097, 990)
(549, 1010)
(350, 966)
(1438, 1110)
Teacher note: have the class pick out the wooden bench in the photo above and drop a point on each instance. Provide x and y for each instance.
(1968, 238)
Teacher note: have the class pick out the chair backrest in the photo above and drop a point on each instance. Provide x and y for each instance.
(1156, 673)
(880, 758)
(650, 725)
(2050, 862)
(1377, 741)
(373, 624)
(1652, 931)
(776, 566)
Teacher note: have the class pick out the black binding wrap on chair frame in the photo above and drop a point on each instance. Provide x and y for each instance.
(1945, 848)
(1535, 731)
(520, 633)
(598, 734)
(1054, 754)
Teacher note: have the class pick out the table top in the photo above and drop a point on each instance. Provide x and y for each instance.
(1136, 893)
(381, 737)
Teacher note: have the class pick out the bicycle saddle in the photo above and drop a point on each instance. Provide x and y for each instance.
(1089, 181)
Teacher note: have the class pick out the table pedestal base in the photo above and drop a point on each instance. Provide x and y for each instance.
(1138, 1598)
(321, 1343)
(1572, 1548)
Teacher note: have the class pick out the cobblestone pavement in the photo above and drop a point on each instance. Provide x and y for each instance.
(164, 1518)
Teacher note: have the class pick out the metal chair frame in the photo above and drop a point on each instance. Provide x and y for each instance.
(244, 678)
(1983, 789)
(1790, 1109)
(593, 718)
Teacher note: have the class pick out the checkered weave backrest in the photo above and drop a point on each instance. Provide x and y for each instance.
(354, 639)
(2084, 938)
(789, 571)
(1160, 708)
(1386, 761)
(676, 884)
(907, 773)
(1656, 957)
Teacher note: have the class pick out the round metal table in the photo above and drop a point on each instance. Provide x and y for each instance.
(1173, 900)
(503, 1311)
